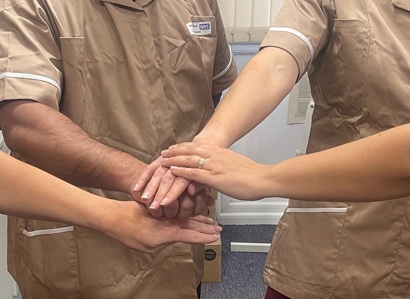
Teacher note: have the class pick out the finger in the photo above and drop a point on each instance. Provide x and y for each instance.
(157, 212)
(200, 202)
(154, 209)
(202, 227)
(193, 174)
(195, 231)
(152, 187)
(210, 201)
(146, 175)
(192, 188)
(186, 207)
(189, 148)
(193, 237)
(182, 160)
(191, 161)
(171, 211)
(195, 187)
(179, 187)
(166, 183)
(202, 219)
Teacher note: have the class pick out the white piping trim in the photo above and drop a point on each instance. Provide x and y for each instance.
(31, 77)
(51, 231)
(227, 67)
(298, 34)
(316, 210)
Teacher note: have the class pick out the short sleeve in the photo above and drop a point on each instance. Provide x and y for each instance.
(301, 28)
(225, 70)
(30, 59)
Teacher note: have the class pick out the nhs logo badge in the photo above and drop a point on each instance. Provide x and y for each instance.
(199, 28)
(204, 26)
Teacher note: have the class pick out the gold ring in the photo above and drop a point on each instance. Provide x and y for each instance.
(201, 163)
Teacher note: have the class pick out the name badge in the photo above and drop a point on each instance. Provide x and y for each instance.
(199, 28)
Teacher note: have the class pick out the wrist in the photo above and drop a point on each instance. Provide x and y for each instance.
(217, 138)
(127, 173)
(99, 214)
(268, 181)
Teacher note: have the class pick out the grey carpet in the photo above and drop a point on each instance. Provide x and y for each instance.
(241, 271)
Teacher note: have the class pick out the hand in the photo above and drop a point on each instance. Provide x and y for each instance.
(131, 224)
(162, 189)
(222, 169)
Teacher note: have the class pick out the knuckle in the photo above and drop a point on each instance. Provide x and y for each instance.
(195, 172)
(160, 171)
(192, 146)
(189, 159)
(180, 180)
(167, 179)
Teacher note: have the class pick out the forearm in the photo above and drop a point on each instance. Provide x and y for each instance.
(375, 168)
(260, 87)
(49, 140)
(28, 192)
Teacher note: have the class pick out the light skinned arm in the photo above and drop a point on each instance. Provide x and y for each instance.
(26, 191)
(260, 87)
(372, 169)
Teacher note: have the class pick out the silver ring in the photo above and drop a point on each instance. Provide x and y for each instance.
(201, 163)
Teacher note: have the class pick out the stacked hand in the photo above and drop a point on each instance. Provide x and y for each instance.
(219, 168)
(168, 195)
(150, 234)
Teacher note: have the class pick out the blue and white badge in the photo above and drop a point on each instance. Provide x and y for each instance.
(199, 28)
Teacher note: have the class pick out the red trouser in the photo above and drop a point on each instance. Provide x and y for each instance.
(272, 294)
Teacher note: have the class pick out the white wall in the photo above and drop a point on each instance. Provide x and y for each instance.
(270, 142)
(248, 20)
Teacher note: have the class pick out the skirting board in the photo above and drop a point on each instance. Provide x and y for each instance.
(248, 218)
(250, 247)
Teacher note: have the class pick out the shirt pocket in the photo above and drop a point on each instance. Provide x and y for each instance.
(347, 57)
(191, 60)
(312, 236)
(197, 46)
(50, 256)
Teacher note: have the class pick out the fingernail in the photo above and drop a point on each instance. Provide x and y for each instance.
(136, 187)
(218, 229)
(164, 152)
(164, 201)
(209, 221)
(145, 195)
(154, 205)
